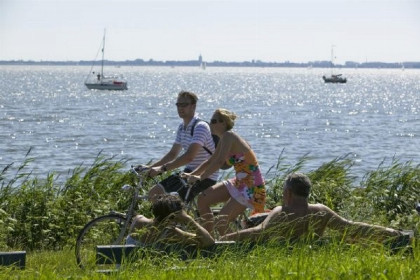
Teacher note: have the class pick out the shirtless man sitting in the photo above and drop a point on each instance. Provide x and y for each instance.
(297, 219)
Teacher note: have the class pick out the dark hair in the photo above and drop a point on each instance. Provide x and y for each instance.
(299, 184)
(189, 95)
(165, 205)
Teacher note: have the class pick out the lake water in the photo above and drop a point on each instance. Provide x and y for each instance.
(375, 116)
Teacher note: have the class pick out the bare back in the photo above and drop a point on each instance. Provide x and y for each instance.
(287, 222)
(311, 221)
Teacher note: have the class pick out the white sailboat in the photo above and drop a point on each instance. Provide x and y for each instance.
(100, 81)
(203, 65)
(334, 78)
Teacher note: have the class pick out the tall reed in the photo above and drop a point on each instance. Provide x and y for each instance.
(41, 214)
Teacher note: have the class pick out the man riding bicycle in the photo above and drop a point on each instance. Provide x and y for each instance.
(191, 143)
(194, 137)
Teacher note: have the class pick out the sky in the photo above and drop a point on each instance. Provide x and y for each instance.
(219, 30)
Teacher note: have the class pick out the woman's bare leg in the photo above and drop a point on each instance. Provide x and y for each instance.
(229, 212)
(215, 194)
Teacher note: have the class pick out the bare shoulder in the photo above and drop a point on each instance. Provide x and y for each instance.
(273, 217)
(232, 137)
(229, 135)
(321, 209)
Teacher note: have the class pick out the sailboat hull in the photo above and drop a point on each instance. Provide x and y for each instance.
(115, 85)
(334, 79)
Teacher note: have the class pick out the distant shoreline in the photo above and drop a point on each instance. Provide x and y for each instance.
(196, 63)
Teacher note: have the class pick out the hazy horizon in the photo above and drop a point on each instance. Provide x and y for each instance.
(196, 59)
(232, 30)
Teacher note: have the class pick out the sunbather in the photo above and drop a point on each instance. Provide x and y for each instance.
(297, 219)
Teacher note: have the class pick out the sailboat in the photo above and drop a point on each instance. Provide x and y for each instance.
(102, 82)
(203, 65)
(334, 78)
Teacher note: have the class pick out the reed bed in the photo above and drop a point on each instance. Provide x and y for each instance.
(43, 217)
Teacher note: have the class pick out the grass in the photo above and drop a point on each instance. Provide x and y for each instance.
(303, 261)
(44, 217)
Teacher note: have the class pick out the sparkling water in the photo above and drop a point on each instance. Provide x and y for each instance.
(288, 112)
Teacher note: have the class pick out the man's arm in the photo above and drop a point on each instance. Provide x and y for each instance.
(359, 229)
(171, 155)
(156, 168)
(184, 159)
(263, 231)
(249, 234)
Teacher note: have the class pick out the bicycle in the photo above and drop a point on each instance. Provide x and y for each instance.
(113, 228)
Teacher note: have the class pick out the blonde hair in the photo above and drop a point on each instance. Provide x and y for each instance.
(227, 117)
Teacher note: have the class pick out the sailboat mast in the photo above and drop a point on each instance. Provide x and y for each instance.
(332, 59)
(103, 55)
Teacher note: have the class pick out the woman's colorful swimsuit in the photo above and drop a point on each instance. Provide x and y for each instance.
(248, 187)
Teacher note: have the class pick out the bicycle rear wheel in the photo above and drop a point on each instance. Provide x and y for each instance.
(104, 230)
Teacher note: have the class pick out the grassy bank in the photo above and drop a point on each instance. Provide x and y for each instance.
(43, 217)
(330, 261)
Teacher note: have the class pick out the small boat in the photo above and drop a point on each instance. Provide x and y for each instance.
(100, 81)
(107, 83)
(335, 79)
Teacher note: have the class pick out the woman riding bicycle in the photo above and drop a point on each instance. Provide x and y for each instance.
(245, 190)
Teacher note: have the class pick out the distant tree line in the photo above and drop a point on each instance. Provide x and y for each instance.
(197, 63)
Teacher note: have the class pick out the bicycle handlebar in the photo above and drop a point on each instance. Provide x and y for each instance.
(139, 169)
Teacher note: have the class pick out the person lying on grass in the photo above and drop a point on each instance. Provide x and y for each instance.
(164, 228)
(297, 219)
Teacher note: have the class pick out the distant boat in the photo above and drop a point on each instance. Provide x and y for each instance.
(102, 82)
(203, 65)
(334, 78)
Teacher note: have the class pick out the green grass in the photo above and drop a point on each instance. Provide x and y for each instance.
(303, 261)
(44, 217)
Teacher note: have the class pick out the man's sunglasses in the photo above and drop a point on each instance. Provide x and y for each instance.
(182, 104)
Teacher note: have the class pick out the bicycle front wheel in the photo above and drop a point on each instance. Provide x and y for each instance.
(105, 230)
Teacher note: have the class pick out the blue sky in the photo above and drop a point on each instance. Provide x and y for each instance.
(230, 30)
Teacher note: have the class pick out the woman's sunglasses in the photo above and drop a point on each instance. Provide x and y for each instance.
(214, 121)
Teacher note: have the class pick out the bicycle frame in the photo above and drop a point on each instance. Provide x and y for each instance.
(136, 197)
